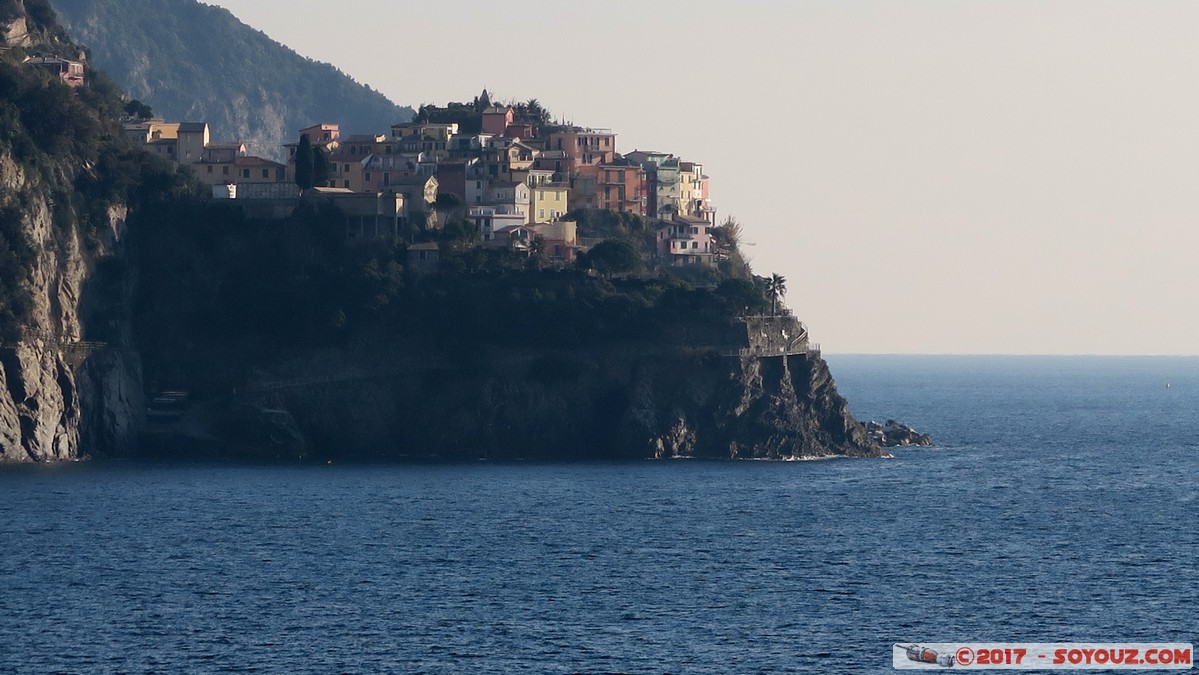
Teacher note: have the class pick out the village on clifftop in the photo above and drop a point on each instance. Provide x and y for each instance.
(505, 168)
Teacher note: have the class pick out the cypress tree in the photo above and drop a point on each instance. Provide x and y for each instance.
(320, 167)
(304, 163)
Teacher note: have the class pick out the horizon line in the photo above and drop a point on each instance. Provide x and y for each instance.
(1011, 354)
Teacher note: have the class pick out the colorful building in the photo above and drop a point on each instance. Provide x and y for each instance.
(620, 188)
(512, 195)
(70, 72)
(497, 119)
(193, 137)
(686, 240)
(560, 240)
(549, 202)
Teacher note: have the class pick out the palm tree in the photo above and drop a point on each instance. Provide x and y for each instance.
(535, 112)
(776, 288)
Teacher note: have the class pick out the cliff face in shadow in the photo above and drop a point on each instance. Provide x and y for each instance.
(69, 384)
(601, 403)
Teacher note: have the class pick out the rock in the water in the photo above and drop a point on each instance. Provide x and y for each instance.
(893, 434)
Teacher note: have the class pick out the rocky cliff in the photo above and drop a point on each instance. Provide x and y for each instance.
(598, 403)
(62, 397)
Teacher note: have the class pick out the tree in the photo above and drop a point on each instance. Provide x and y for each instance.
(536, 113)
(776, 288)
(140, 110)
(741, 296)
(304, 177)
(320, 167)
(537, 252)
(728, 234)
(612, 256)
(449, 201)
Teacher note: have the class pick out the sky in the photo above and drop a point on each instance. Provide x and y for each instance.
(930, 177)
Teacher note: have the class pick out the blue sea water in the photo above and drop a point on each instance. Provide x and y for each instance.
(1059, 506)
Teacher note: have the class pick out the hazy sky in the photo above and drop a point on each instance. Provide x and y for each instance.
(930, 177)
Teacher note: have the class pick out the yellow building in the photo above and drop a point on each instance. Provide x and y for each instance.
(193, 138)
(549, 202)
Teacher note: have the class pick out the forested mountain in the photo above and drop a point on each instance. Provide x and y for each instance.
(195, 62)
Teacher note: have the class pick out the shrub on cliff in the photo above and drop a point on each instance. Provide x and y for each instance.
(611, 256)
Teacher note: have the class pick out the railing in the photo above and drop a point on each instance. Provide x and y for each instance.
(326, 378)
(811, 348)
(798, 345)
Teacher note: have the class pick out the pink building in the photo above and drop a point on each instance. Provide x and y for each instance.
(322, 134)
(497, 119)
(587, 147)
(686, 241)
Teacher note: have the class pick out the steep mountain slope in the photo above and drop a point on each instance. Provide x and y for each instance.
(195, 62)
(70, 383)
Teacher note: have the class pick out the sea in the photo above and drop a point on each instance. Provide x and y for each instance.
(1059, 505)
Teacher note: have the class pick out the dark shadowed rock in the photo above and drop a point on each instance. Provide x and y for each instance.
(893, 434)
(610, 403)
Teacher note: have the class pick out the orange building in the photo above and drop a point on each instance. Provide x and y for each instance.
(621, 188)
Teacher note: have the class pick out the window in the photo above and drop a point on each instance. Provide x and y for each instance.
(225, 170)
(695, 244)
(541, 213)
(347, 184)
(266, 173)
(367, 177)
(209, 168)
(245, 173)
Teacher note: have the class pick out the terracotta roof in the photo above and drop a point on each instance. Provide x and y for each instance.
(257, 161)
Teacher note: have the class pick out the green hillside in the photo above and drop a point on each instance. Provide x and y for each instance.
(195, 62)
